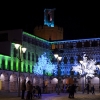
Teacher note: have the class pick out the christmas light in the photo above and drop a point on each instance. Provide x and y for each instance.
(44, 63)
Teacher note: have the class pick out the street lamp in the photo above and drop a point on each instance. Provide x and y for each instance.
(43, 81)
(21, 50)
(58, 59)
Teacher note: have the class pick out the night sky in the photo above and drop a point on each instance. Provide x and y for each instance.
(79, 20)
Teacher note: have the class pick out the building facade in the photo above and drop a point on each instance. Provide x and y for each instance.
(9, 62)
(73, 49)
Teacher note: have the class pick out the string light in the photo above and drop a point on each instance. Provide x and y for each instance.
(44, 63)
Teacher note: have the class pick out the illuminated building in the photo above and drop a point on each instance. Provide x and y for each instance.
(73, 50)
(36, 46)
(9, 61)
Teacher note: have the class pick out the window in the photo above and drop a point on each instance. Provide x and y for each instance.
(86, 44)
(3, 64)
(65, 60)
(71, 46)
(9, 65)
(28, 55)
(33, 41)
(24, 55)
(24, 38)
(29, 41)
(24, 68)
(29, 68)
(14, 66)
(36, 58)
(79, 45)
(94, 44)
(32, 56)
(71, 60)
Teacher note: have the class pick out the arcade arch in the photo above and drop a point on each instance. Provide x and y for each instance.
(13, 83)
(4, 82)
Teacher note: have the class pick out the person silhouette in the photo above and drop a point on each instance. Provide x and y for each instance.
(23, 88)
(92, 89)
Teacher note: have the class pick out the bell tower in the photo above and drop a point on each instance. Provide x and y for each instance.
(49, 17)
(49, 31)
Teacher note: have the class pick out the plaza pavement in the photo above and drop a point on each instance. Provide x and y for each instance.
(52, 96)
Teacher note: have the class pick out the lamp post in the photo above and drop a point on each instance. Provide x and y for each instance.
(58, 59)
(20, 51)
(43, 81)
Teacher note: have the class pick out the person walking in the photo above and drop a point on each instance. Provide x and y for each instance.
(87, 88)
(69, 91)
(92, 89)
(39, 91)
(23, 89)
(29, 90)
(73, 89)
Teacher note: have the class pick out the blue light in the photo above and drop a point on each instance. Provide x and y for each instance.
(44, 63)
(49, 24)
(49, 17)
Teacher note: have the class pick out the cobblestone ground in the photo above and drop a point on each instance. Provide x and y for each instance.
(78, 96)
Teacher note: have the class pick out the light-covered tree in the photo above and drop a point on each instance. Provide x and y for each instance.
(44, 64)
(86, 67)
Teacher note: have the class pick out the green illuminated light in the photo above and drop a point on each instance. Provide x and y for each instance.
(6, 58)
(35, 37)
(11, 67)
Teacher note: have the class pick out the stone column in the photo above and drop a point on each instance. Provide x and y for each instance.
(8, 83)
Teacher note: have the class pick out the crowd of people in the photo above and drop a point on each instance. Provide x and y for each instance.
(35, 91)
(32, 91)
(71, 89)
(88, 89)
